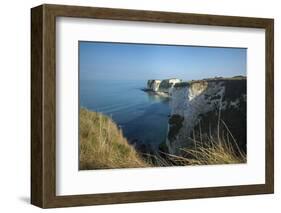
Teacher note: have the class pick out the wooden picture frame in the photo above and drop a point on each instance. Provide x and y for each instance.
(43, 105)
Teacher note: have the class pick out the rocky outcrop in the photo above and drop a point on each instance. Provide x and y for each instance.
(162, 86)
(197, 105)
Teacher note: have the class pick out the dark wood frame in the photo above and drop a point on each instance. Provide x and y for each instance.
(43, 105)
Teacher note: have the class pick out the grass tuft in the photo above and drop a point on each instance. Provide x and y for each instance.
(102, 145)
(212, 149)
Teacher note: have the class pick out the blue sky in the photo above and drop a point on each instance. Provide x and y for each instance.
(122, 61)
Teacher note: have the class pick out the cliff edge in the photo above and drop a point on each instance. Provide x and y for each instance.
(199, 109)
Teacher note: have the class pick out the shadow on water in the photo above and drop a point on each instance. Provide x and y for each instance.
(152, 96)
(149, 130)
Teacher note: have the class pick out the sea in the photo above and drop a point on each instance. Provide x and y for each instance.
(142, 116)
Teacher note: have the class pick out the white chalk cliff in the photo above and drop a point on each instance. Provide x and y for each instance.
(162, 86)
(198, 103)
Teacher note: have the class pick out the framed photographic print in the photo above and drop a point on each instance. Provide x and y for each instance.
(136, 106)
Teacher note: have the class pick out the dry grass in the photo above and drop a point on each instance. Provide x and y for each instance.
(208, 150)
(102, 145)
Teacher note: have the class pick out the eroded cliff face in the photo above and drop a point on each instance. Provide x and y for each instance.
(162, 86)
(153, 85)
(197, 105)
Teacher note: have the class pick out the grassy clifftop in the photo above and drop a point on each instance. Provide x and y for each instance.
(102, 144)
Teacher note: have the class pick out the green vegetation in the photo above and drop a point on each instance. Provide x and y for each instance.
(175, 125)
(182, 84)
(102, 145)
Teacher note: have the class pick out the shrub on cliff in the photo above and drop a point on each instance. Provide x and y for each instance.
(102, 145)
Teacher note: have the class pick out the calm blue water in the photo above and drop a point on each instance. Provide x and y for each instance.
(143, 117)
